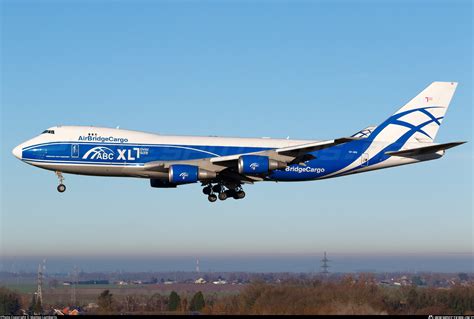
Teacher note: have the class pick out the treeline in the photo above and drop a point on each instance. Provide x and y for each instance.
(156, 303)
(348, 296)
(10, 302)
(359, 297)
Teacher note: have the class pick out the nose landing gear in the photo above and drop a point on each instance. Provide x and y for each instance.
(61, 187)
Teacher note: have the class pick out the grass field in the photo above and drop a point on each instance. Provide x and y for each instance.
(21, 288)
(85, 294)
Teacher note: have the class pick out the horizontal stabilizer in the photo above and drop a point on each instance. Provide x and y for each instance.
(424, 149)
(365, 132)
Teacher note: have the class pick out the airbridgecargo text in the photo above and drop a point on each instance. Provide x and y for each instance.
(103, 139)
(307, 169)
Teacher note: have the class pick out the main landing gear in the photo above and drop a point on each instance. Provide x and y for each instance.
(222, 193)
(61, 186)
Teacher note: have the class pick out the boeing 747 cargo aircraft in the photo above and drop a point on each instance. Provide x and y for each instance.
(223, 164)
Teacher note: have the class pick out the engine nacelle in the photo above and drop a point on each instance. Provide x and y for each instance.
(257, 164)
(184, 174)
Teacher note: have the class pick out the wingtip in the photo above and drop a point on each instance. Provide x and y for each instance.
(446, 82)
(454, 144)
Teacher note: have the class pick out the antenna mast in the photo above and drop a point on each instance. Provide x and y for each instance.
(39, 289)
(74, 282)
(325, 266)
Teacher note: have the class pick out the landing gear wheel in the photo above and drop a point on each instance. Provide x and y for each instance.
(240, 195)
(207, 190)
(61, 188)
(212, 198)
(223, 196)
(217, 188)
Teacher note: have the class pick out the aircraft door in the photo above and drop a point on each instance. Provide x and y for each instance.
(74, 150)
(364, 159)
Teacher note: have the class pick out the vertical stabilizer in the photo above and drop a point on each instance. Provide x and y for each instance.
(419, 119)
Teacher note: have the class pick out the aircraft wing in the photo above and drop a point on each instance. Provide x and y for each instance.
(159, 166)
(290, 155)
(226, 166)
(298, 150)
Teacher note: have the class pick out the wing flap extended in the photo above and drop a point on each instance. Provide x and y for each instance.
(234, 176)
(227, 161)
(424, 149)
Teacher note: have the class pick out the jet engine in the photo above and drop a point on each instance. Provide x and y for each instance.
(184, 174)
(257, 164)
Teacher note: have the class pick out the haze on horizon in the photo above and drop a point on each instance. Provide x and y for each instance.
(447, 263)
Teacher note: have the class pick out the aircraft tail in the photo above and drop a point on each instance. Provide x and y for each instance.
(418, 120)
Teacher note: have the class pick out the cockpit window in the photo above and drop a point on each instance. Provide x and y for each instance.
(48, 132)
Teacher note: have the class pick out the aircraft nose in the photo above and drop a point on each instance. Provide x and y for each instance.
(17, 152)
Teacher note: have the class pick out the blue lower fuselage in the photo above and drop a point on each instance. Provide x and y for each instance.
(325, 162)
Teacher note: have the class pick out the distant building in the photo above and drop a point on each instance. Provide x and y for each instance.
(91, 306)
(91, 282)
(219, 282)
(57, 312)
(65, 311)
(200, 281)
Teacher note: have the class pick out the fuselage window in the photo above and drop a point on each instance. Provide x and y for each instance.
(48, 132)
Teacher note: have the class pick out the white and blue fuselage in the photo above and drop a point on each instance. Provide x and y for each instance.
(117, 152)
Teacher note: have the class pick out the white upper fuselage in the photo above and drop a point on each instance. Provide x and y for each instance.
(71, 134)
(141, 147)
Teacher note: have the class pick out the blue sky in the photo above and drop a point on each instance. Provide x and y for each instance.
(309, 70)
